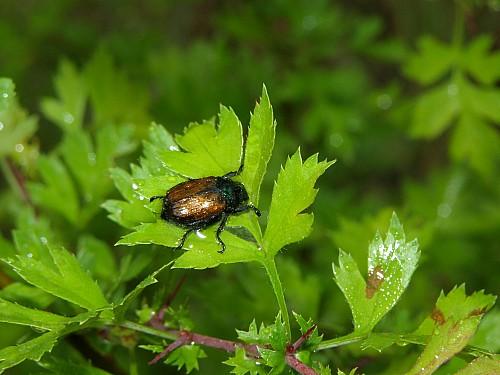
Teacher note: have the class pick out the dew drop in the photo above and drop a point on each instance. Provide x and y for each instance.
(91, 157)
(5, 95)
(384, 101)
(200, 235)
(29, 255)
(135, 186)
(43, 240)
(173, 148)
(452, 89)
(1, 125)
(444, 210)
(19, 147)
(68, 118)
(336, 140)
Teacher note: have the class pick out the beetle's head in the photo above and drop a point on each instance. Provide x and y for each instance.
(240, 193)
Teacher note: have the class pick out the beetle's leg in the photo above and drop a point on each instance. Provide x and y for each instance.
(156, 197)
(183, 239)
(235, 173)
(219, 231)
(248, 207)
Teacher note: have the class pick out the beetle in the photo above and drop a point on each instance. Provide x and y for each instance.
(198, 203)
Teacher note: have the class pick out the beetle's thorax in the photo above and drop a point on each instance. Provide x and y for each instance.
(234, 193)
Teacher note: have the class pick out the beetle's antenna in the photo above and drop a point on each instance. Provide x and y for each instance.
(156, 197)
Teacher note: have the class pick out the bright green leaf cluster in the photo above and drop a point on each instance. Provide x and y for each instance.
(474, 107)
(215, 148)
(293, 192)
(390, 266)
(451, 325)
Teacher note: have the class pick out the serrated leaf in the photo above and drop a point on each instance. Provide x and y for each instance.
(33, 349)
(186, 356)
(314, 339)
(58, 192)
(273, 359)
(452, 323)
(68, 109)
(242, 365)
(435, 110)
(259, 146)
(482, 366)
(431, 62)
(65, 279)
(203, 254)
(293, 192)
(17, 314)
(208, 150)
(391, 264)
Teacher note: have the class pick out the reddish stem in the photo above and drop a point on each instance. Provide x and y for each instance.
(158, 318)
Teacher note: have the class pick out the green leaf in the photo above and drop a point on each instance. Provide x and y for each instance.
(254, 335)
(208, 150)
(64, 279)
(482, 366)
(479, 62)
(293, 192)
(146, 180)
(97, 257)
(26, 295)
(452, 323)
(259, 146)
(477, 143)
(242, 365)
(58, 192)
(17, 314)
(7, 93)
(15, 125)
(435, 110)
(67, 111)
(33, 350)
(114, 98)
(186, 356)
(314, 339)
(203, 252)
(391, 264)
(431, 62)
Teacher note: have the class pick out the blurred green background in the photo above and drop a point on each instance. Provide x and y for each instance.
(404, 94)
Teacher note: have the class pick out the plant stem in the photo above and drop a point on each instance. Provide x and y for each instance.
(149, 331)
(272, 272)
(133, 362)
(341, 341)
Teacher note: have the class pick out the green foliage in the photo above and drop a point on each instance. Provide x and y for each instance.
(473, 106)
(333, 69)
(391, 264)
(451, 325)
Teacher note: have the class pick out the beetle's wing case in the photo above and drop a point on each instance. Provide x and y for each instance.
(195, 203)
(191, 188)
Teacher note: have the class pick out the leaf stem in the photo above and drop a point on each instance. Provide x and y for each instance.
(272, 272)
(341, 341)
